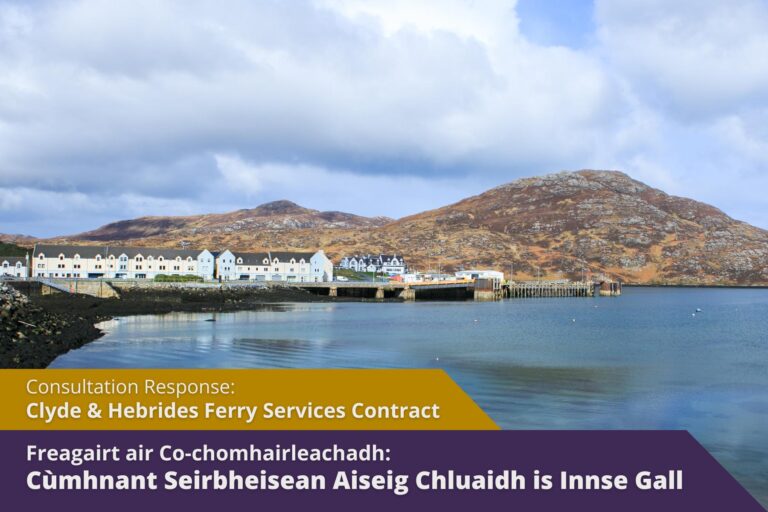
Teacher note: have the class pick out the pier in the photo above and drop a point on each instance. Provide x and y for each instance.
(479, 289)
(536, 289)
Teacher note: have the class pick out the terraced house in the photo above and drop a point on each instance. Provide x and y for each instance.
(82, 261)
(88, 261)
(13, 266)
(297, 267)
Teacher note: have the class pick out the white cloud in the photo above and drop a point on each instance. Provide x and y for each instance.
(111, 99)
(699, 57)
(319, 187)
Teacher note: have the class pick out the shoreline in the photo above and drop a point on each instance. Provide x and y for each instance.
(39, 328)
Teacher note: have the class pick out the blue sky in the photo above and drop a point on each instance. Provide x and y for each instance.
(112, 110)
(557, 22)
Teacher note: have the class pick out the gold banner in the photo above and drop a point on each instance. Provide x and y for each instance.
(135, 399)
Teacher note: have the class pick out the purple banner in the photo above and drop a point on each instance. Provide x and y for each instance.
(220, 470)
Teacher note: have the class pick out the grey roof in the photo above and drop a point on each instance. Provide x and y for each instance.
(155, 252)
(91, 251)
(257, 258)
(251, 258)
(286, 256)
(13, 260)
(85, 251)
(378, 258)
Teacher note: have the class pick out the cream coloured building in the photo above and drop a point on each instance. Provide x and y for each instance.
(83, 261)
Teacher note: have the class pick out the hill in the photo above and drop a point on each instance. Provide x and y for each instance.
(567, 224)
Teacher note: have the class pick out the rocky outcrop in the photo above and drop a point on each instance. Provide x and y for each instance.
(30, 337)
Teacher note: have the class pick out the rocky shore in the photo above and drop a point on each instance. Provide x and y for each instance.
(35, 330)
(31, 337)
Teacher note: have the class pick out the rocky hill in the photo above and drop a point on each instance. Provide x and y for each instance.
(277, 215)
(559, 225)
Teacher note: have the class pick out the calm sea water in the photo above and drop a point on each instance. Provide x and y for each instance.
(646, 360)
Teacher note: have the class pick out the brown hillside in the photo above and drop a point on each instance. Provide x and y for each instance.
(561, 224)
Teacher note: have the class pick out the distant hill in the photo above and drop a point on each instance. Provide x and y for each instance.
(276, 215)
(559, 225)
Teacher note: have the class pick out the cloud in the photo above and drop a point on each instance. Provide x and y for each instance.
(318, 187)
(162, 99)
(698, 58)
(25, 209)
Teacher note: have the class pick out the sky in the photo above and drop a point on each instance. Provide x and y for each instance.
(111, 110)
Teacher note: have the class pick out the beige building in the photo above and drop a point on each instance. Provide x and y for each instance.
(84, 261)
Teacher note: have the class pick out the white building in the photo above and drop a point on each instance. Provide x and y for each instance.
(390, 264)
(225, 266)
(83, 261)
(480, 274)
(296, 267)
(13, 266)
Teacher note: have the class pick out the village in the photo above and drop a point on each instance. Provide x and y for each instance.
(98, 270)
(116, 262)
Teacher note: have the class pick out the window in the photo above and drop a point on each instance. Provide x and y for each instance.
(41, 257)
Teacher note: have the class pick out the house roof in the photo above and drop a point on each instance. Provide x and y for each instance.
(257, 258)
(69, 251)
(168, 254)
(91, 251)
(13, 260)
(380, 258)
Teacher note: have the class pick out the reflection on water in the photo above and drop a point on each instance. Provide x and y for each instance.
(645, 360)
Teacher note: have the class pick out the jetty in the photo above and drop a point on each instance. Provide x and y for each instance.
(483, 289)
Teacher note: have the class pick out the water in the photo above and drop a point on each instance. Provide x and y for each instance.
(646, 360)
